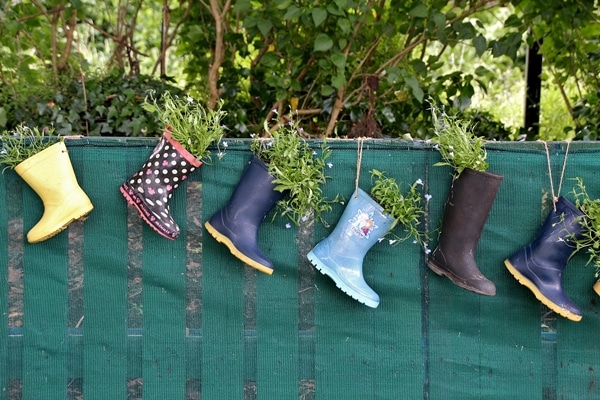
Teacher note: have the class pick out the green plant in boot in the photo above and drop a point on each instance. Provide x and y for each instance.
(406, 209)
(589, 240)
(298, 170)
(23, 143)
(188, 122)
(456, 142)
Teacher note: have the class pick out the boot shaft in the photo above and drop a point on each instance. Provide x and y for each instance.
(469, 203)
(49, 172)
(254, 196)
(554, 244)
(361, 225)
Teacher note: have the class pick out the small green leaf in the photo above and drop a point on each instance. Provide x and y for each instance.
(339, 60)
(439, 20)
(413, 83)
(323, 42)
(480, 44)
(264, 25)
(292, 12)
(283, 4)
(420, 11)
(327, 90)
(513, 21)
(344, 25)
(3, 118)
(338, 81)
(319, 16)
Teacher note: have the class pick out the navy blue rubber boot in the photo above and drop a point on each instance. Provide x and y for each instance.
(340, 255)
(237, 224)
(539, 266)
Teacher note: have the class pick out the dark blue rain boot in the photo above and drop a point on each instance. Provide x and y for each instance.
(237, 224)
(340, 255)
(540, 265)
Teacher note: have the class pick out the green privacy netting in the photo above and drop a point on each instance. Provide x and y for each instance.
(108, 309)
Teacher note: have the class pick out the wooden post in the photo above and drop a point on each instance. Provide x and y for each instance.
(533, 91)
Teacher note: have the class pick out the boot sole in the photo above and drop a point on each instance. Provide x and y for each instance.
(77, 217)
(236, 253)
(441, 272)
(325, 270)
(539, 295)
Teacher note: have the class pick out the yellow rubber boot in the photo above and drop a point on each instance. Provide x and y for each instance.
(50, 174)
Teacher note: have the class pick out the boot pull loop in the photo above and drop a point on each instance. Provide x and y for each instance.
(359, 150)
(562, 174)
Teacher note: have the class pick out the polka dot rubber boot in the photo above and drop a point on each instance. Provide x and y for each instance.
(151, 188)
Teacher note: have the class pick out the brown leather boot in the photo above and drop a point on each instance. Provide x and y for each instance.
(469, 203)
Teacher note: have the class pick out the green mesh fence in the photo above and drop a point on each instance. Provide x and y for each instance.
(110, 310)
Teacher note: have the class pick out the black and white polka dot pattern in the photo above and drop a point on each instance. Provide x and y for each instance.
(151, 188)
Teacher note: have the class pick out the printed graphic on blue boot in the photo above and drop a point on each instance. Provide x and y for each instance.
(362, 224)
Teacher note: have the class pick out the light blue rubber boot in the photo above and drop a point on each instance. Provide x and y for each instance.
(340, 255)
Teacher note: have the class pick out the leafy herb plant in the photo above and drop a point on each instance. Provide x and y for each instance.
(298, 170)
(456, 142)
(406, 209)
(590, 239)
(189, 123)
(23, 143)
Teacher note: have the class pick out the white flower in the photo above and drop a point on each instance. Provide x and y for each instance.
(380, 240)
(189, 99)
(330, 165)
(4, 151)
(252, 135)
(275, 111)
(225, 144)
(451, 154)
(427, 197)
(419, 182)
(288, 226)
(392, 241)
(304, 218)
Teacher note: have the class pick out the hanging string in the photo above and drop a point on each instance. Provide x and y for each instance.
(359, 150)
(562, 174)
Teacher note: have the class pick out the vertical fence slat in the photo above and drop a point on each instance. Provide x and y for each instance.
(102, 171)
(222, 290)
(164, 309)
(277, 314)
(3, 289)
(45, 322)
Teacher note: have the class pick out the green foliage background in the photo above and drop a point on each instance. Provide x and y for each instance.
(344, 67)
